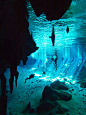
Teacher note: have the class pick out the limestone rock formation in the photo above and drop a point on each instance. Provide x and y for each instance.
(53, 95)
(16, 43)
(50, 102)
(59, 85)
(46, 106)
(83, 83)
(54, 9)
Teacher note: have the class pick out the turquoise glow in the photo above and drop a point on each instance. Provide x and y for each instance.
(71, 55)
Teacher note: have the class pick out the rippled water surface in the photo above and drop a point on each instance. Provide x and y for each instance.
(69, 47)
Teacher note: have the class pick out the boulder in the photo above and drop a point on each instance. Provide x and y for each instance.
(64, 95)
(46, 106)
(59, 110)
(50, 104)
(53, 107)
(53, 95)
(83, 83)
(49, 93)
(59, 85)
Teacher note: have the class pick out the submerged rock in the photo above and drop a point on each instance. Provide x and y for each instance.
(59, 85)
(31, 110)
(50, 104)
(46, 106)
(53, 107)
(53, 95)
(59, 110)
(27, 108)
(64, 95)
(83, 83)
(50, 93)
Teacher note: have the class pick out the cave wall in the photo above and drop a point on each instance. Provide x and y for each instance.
(16, 43)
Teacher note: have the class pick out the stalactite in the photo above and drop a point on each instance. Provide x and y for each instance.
(3, 99)
(16, 77)
(14, 72)
(16, 43)
(11, 79)
(3, 83)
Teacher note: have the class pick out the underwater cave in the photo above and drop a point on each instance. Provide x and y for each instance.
(42, 57)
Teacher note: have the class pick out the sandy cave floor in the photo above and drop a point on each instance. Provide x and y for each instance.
(32, 91)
